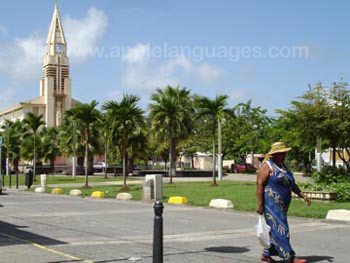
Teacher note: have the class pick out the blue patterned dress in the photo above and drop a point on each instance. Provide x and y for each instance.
(277, 198)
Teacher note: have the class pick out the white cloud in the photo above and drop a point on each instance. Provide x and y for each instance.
(21, 60)
(3, 32)
(138, 54)
(143, 73)
(83, 34)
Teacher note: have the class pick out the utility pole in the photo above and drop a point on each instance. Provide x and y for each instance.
(7, 152)
(219, 150)
(318, 139)
(74, 158)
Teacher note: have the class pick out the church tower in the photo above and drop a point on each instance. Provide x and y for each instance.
(55, 85)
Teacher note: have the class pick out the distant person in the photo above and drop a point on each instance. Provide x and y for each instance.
(274, 186)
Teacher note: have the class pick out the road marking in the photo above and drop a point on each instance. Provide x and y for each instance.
(53, 251)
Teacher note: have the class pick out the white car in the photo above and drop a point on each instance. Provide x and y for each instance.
(100, 166)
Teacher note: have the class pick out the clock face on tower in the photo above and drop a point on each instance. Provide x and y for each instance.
(59, 48)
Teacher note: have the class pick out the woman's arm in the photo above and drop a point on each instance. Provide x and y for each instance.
(297, 191)
(263, 177)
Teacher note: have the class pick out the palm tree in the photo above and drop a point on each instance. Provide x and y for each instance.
(86, 116)
(69, 140)
(34, 122)
(105, 131)
(50, 145)
(126, 118)
(13, 134)
(171, 114)
(213, 110)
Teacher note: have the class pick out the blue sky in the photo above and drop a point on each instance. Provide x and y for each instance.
(272, 82)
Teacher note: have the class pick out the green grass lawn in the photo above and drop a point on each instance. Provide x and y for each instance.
(63, 179)
(241, 194)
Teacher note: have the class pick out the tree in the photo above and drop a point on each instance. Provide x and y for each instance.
(86, 116)
(50, 146)
(251, 126)
(70, 141)
(171, 114)
(13, 135)
(126, 118)
(213, 110)
(324, 113)
(34, 122)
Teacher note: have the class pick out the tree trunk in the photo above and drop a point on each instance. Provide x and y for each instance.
(192, 162)
(86, 160)
(214, 161)
(172, 168)
(125, 167)
(34, 158)
(131, 164)
(52, 166)
(334, 155)
(106, 148)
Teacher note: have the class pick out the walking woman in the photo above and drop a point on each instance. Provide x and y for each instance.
(274, 186)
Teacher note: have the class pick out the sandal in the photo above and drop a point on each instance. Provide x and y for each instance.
(298, 260)
(270, 260)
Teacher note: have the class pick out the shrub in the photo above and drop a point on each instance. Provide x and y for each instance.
(330, 175)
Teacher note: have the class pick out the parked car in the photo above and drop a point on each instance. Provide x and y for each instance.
(243, 168)
(99, 167)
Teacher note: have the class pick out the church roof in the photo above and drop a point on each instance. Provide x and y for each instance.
(33, 102)
(56, 34)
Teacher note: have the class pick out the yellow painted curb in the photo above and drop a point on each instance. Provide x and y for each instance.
(57, 191)
(98, 194)
(177, 200)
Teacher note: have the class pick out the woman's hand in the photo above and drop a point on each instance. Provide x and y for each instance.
(307, 200)
(260, 210)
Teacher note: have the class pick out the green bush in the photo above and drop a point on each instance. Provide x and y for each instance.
(330, 175)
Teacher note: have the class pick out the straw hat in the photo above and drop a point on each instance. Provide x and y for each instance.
(278, 147)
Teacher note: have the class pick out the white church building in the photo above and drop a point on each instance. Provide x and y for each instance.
(55, 86)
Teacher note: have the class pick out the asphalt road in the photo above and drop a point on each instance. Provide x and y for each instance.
(41, 228)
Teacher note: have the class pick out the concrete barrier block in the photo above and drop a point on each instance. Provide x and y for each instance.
(339, 214)
(75, 192)
(57, 191)
(39, 190)
(179, 200)
(98, 194)
(124, 196)
(221, 203)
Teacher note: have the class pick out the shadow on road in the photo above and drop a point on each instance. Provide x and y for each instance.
(14, 235)
(311, 259)
(227, 249)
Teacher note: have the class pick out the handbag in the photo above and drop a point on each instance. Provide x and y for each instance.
(263, 232)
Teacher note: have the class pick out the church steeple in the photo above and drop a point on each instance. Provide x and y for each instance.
(56, 41)
(55, 85)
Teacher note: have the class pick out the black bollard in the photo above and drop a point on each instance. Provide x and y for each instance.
(158, 233)
(17, 180)
(10, 180)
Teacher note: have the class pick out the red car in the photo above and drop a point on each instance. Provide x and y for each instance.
(242, 168)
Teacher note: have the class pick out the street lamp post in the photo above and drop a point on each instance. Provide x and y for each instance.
(219, 150)
(74, 158)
